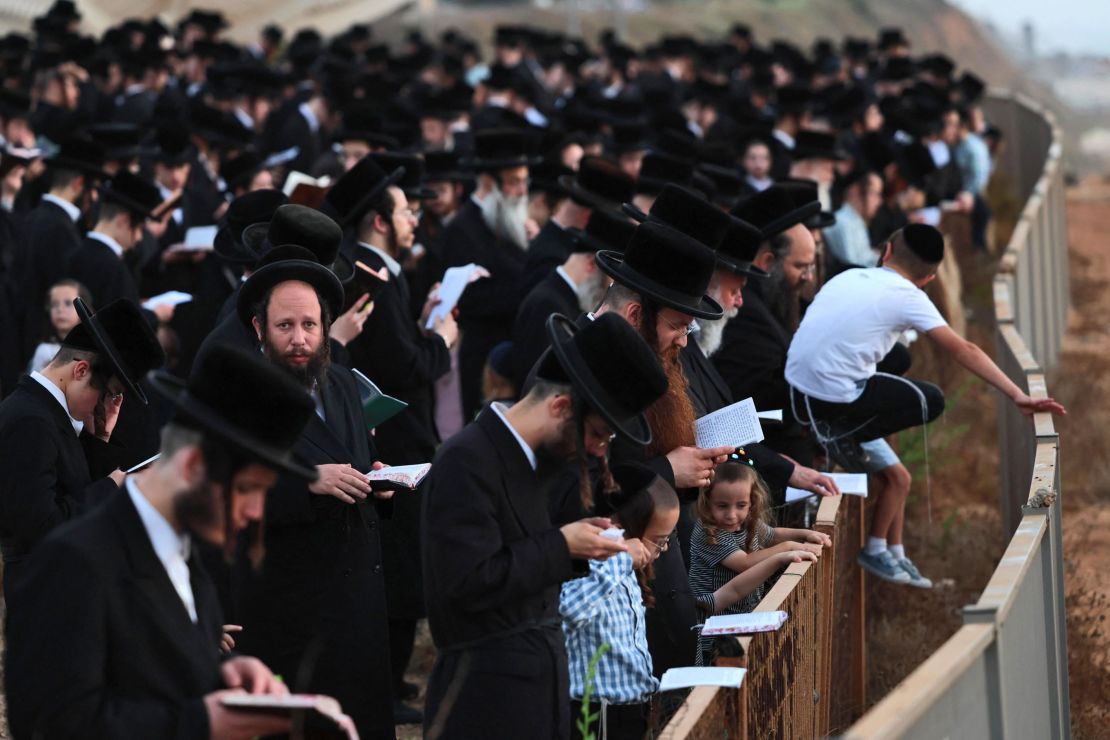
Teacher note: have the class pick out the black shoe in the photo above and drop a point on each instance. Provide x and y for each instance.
(403, 714)
(407, 691)
(848, 454)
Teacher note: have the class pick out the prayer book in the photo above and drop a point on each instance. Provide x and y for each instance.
(451, 289)
(169, 298)
(851, 484)
(772, 415)
(305, 190)
(292, 705)
(684, 678)
(398, 477)
(376, 406)
(743, 624)
(365, 280)
(733, 426)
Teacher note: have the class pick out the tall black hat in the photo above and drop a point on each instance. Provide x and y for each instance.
(296, 225)
(79, 153)
(805, 191)
(138, 195)
(502, 148)
(817, 145)
(120, 333)
(444, 167)
(599, 183)
(358, 189)
(285, 263)
(412, 181)
(667, 266)
(121, 141)
(174, 145)
(727, 184)
(685, 211)
(739, 247)
(604, 230)
(248, 209)
(363, 122)
(773, 211)
(244, 401)
(610, 366)
(658, 169)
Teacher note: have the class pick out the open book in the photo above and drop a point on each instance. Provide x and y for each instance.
(365, 280)
(169, 298)
(684, 678)
(197, 239)
(290, 705)
(850, 484)
(399, 477)
(376, 406)
(305, 190)
(733, 426)
(451, 289)
(743, 624)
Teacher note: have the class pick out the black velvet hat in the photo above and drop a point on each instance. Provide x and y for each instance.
(599, 183)
(121, 141)
(687, 212)
(358, 189)
(301, 226)
(244, 401)
(925, 241)
(281, 264)
(79, 153)
(248, 209)
(727, 184)
(773, 211)
(138, 195)
(240, 170)
(805, 191)
(666, 266)
(444, 167)
(412, 181)
(628, 137)
(891, 37)
(174, 146)
(610, 367)
(739, 247)
(361, 122)
(604, 230)
(817, 145)
(120, 333)
(658, 169)
(501, 148)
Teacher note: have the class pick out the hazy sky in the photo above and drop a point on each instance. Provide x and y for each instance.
(1061, 25)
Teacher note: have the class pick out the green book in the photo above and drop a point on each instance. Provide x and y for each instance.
(376, 406)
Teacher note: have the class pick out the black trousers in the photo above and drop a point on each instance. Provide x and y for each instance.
(887, 405)
(402, 634)
(622, 721)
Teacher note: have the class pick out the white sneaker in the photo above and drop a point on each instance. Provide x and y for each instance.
(916, 579)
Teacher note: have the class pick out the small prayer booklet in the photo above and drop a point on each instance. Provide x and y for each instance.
(305, 190)
(772, 415)
(684, 678)
(743, 624)
(451, 289)
(292, 704)
(851, 484)
(376, 406)
(365, 280)
(398, 477)
(733, 426)
(169, 298)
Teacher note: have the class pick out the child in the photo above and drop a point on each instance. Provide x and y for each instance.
(733, 548)
(608, 606)
(62, 316)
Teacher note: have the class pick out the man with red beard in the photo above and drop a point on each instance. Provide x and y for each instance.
(316, 610)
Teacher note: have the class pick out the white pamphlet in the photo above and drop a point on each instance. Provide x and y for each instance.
(772, 415)
(684, 678)
(451, 289)
(851, 484)
(743, 624)
(406, 476)
(733, 426)
(169, 298)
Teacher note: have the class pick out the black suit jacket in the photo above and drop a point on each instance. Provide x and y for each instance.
(98, 268)
(99, 642)
(316, 612)
(548, 250)
(552, 295)
(294, 131)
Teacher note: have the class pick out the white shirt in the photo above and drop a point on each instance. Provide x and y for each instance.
(309, 117)
(71, 210)
(107, 241)
(563, 274)
(391, 264)
(784, 138)
(170, 547)
(60, 397)
(759, 184)
(499, 409)
(853, 322)
(166, 194)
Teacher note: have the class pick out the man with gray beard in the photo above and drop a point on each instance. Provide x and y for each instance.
(575, 287)
(490, 231)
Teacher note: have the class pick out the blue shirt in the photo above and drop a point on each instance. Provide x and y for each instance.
(607, 606)
(973, 157)
(849, 240)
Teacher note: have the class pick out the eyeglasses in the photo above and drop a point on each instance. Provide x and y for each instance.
(660, 547)
(603, 435)
(679, 328)
(410, 213)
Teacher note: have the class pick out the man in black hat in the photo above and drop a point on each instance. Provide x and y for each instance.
(316, 611)
(492, 560)
(245, 173)
(239, 257)
(56, 425)
(303, 129)
(445, 177)
(116, 627)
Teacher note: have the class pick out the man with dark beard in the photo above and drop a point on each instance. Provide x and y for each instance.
(316, 611)
(490, 231)
(116, 629)
(575, 287)
(493, 562)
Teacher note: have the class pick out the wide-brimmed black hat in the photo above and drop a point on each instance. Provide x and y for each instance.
(301, 226)
(285, 263)
(240, 170)
(610, 367)
(362, 122)
(658, 169)
(444, 166)
(686, 211)
(501, 149)
(727, 184)
(246, 210)
(666, 266)
(138, 195)
(774, 210)
(120, 333)
(738, 248)
(174, 145)
(604, 230)
(121, 141)
(817, 145)
(412, 181)
(891, 37)
(244, 401)
(628, 137)
(79, 153)
(599, 183)
(805, 191)
(358, 189)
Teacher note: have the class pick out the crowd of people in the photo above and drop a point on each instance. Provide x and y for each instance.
(651, 234)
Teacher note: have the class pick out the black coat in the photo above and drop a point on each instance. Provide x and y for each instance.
(316, 612)
(493, 564)
(99, 642)
(230, 331)
(488, 307)
(97, 267)
(294, 131)
(548, 250)
(552, 295)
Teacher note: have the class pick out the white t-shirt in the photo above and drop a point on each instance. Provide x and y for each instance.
(853, 323)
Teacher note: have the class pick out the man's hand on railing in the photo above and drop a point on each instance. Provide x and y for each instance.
(1030, 406)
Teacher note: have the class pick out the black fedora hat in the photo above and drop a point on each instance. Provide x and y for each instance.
(687, 212)
(604, 230)
(817, 145)
(240, 170)
(501, 149)
(738, 248)
(444, 166)
(285, 263)
(412, 182)
(610, 366)
(667, 266)
(248, 209)
(358, 189)
(120, 333)
(773, 211)
(805, 191)
(121, 141)
(599, 183)
(137, 194)
(244, 401)
(301, 226)
(727, 184)
(81, 154)
(362, 122)
(628, 137)
(174, 145)
(658, 169)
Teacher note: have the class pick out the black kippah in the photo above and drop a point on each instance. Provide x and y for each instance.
(924, 241)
